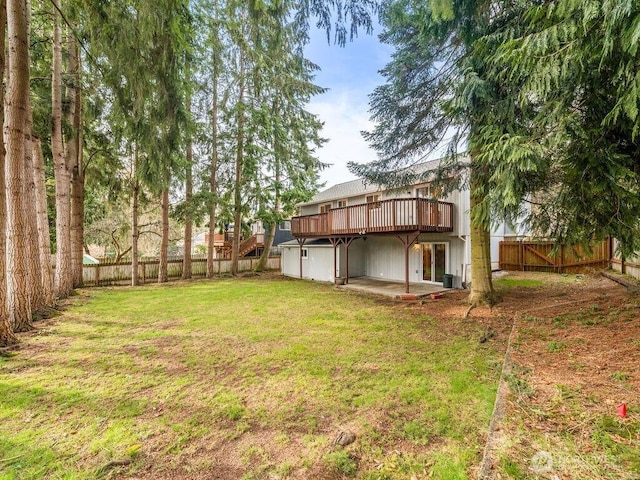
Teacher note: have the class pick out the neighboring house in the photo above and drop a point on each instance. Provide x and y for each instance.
(89, 260)
(282, 234)
(356, 229)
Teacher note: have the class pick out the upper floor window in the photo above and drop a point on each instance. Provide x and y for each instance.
(422, 192)
(342, 203)
(325, 208)
(373, 201)
(428, 192)
(285, 225)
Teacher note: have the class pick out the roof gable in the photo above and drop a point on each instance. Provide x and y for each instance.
(359, 187)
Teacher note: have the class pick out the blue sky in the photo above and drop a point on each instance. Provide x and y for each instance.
(351, 74)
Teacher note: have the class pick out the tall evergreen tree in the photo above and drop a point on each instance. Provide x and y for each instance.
(6, 328)
(44, 236)
(73, 157)
(16, 108)
(291, 134)
(188, 194)
(63, 274)
(571, 149)
(436, 87)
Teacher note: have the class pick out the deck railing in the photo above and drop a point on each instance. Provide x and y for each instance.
(395, 215)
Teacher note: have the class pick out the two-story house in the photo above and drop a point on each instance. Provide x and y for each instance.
(355, 229)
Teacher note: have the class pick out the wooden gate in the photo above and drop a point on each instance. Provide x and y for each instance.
(540, 256)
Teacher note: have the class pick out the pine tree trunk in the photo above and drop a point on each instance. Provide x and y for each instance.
(237, 193)
(44, 236)
(481, 285)
(74, 160)
(135, 230)
(63, 276)
(77, 222)
(213, 174)
(164, 244)
(188, 223)
(268, 243)
(6, 330)
(16, 107)
(34, 275)
(211, 247)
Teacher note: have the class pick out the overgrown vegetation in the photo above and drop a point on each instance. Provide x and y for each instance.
(250, 378)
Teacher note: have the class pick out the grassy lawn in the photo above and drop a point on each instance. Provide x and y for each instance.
(245, 379)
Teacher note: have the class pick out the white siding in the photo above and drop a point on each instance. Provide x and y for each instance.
(290, 260)
(385, 258)
(357, 258)
(309, 209)
(318, 265)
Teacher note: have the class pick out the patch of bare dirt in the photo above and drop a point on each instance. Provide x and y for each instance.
(576, 353)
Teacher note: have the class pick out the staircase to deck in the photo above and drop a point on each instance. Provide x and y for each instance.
(251, 244)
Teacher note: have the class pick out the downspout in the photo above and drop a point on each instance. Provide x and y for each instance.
(466, 260)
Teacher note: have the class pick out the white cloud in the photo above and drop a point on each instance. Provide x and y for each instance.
(345, 115)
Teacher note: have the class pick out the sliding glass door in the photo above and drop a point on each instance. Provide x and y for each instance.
(434, 261)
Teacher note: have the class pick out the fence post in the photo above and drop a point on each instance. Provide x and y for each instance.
(522, 254)
(97, 279)
(144, 272)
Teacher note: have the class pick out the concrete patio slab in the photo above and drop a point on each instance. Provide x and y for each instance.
(392, 289)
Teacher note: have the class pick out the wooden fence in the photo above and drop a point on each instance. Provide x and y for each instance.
(120, 273)
(540, 257)
(630, 266)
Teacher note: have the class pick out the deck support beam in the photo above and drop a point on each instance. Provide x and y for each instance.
(347, 242)
(301, 242)
(334, 242)
(407, 240)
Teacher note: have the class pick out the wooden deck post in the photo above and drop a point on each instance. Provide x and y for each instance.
(335, 242)
(407, 240)
(347, 243)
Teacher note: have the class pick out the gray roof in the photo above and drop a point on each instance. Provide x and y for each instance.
(358, 187)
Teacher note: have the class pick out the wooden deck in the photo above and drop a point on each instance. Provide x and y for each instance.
(386, 216)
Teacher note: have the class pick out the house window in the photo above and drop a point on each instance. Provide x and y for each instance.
(325, 208)
(305, 253)
(428, 192)
(285, 225)
(373, 201)
(342, 203)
